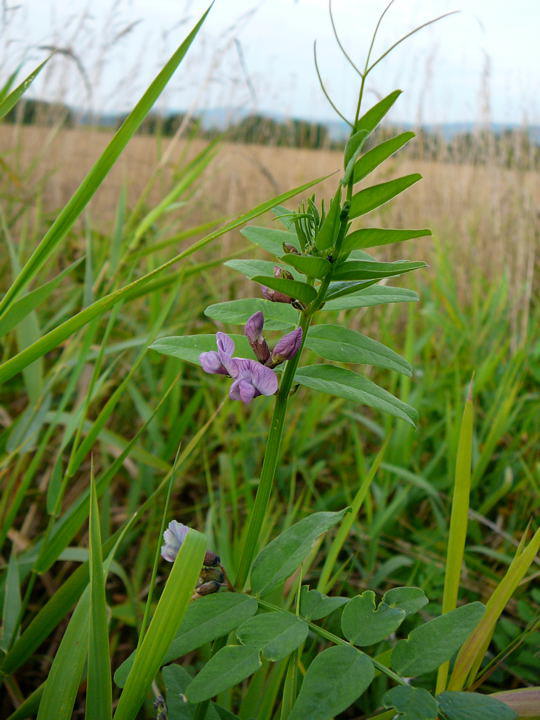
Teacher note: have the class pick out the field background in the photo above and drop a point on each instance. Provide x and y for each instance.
(478, 316)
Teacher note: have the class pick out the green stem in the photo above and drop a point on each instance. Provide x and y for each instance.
(271, 458)
(327, 635)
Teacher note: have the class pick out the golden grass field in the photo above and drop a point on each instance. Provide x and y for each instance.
(486, 215)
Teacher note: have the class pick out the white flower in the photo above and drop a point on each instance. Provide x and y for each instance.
(174, 536)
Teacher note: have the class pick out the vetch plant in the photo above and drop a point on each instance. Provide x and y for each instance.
(320, 265)
(280, 648)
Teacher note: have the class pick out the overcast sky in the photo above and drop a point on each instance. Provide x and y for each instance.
(258, 54)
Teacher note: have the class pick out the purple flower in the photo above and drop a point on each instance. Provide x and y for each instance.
(287, 347)
(253, 331)
(251, 379)
(216, 363)
(173, 536)
(275, 295)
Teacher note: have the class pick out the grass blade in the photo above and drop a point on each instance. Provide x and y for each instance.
(99, 692)
(346, 524)
(458, 521)
(56, 336)
(167, 617)
(9, 101)
(471, 654)
(97, 174)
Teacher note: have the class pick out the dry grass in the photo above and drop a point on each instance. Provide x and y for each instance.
(485, 215)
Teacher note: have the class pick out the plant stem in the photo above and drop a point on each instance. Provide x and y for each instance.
(271, 458)
(327, 635)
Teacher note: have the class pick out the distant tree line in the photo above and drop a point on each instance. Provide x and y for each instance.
(40, 112)
(511, 148)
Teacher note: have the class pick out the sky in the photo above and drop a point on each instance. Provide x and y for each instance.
(480, 64)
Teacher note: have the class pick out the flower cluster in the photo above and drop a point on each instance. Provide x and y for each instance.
(212, 576)
(251, 378)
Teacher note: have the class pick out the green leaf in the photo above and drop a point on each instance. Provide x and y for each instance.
(473, 706)
(340, 289)
(334, 680)
(283, 555)
(275, 634)
(350, 386)
(376, 295)
(189, 347)
(353, 147)
(284, 216)
(293, 288)
(374, 237)
(375, 114)
(308, 265)
(24, 306)
(176, 679)
(328, 231)
(363, 625)
(366, 270)
(251, 268)
(277, 316)
(373, 197)
(167, 618)
(9, 101)
(378, 154)
(211, 617)
(99, 690)
(82, 196)
(411, 703)
(333, 342)
(228, 667)
(314, 605)
(409, 599)
(270, 239)
(436, 641)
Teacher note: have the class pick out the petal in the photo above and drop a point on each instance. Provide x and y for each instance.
(225, 343)
(263, 378)
(229, 364)
(246, 391)
(175, 532)
(169, 553)
(211, 363)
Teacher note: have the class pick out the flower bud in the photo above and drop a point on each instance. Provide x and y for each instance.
(288, 248)
(287, 347)
(253, 331)
(211, 559)
(208, 588)
(275, 295)
(281, 273)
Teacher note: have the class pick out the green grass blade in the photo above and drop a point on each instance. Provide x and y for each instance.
(56, 336)
(458, 522)
(65, 675)
(167, 617)
(346, 524)
(471, 654)
(22, 307)
(67, 668)
(99, 692)
(12, 603)
(97, 174)
(12, 99)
